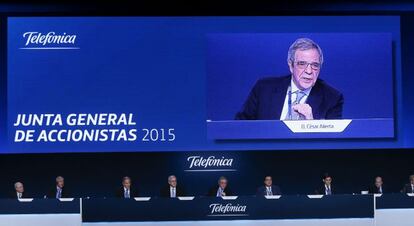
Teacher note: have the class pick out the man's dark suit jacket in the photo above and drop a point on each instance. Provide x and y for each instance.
(165, 191)
(261, 191)
(213, 191)
(132, 192)
(266, 99)
(407, 189)
(374, 190)
(321, 190)
(52, 193)
(13, 195)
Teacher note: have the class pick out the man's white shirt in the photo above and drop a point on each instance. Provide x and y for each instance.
(173, 192)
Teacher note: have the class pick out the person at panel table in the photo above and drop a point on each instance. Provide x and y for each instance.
(409, 188)
(127, 191)
(378, 187)
(299, 96)
(59, 190)
(221, 189)
(326, 188)
(19, 191)
(172, 190)
(268, 189)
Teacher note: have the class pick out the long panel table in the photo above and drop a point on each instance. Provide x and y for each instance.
(289, 210)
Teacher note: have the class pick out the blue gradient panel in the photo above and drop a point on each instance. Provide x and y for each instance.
(156, 68)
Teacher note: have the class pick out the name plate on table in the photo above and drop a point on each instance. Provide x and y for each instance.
(317, 126)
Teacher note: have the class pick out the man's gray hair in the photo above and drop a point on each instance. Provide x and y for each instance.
(222, 178)
(303, 44)
(17, 184)
(126, 178)
(171, 177)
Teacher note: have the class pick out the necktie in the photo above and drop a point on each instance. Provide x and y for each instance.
(294, 115)
(59, 193)
(127, 196)
(219, 192)
(19, 196)
(299, 95)
(328, 191)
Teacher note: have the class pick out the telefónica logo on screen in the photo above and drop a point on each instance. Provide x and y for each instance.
(49, 40)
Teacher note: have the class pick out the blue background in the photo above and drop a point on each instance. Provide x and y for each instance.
(358, 65)
(155, 68)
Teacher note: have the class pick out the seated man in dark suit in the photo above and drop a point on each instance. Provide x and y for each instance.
(268, 188)
(409, 188)
(326, 188)
(222, 189)
(378, 187)
(59, 190)
(126, 191)
(172, 190)
(299, 96)
(19, 192)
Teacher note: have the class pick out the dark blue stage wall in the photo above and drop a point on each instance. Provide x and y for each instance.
(161, 77)
(170, 73)
(296, 172)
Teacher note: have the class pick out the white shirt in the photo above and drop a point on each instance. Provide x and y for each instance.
(294, 88)
(173, 192)
(269, 190)
(19, 195)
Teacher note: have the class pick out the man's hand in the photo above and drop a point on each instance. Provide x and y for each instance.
(304, 109)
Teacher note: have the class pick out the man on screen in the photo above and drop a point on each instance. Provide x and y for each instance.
(126, 191)
(268, 189)
(409, 188)
(172, 190)
(19, 192)
(378, 187)
(59, 190)
(326, 188)
(221, 189)
(299, 96)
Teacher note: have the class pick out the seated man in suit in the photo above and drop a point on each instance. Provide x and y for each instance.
(268, 188)
(221, 189)
(126, 191)
(19, 192)
(326, 188)
(378, 187)
(172, 190)
(299, 96)
(59, 190)
(409, 188)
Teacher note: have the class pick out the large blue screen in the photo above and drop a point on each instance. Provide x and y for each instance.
(148, 79)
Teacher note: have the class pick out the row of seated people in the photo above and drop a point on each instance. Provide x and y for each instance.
(172, 189)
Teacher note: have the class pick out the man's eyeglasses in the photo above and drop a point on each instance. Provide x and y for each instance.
(304, 65)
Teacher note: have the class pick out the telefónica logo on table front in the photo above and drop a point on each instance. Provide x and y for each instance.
(197, 163)
(49, 40)
(229, 209)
